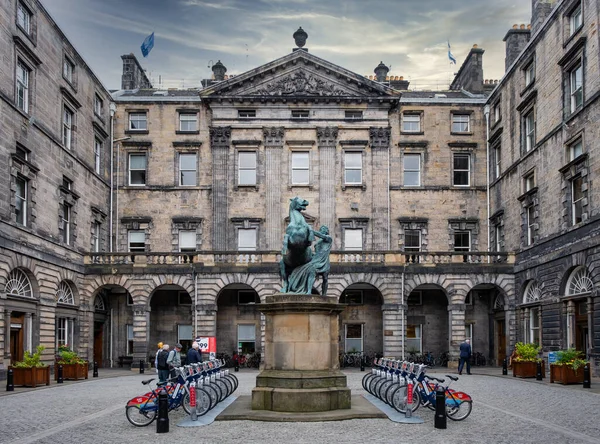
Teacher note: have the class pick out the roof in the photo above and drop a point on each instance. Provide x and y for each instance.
(157, 95)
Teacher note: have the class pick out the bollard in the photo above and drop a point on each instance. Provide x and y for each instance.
(440, 409)
(59, 377)
(538, 372)
(504, 367)
(162, 423)
(193, 397)
(10, 386)
(236, 363)
(95, 374)
(362, 363)
(587, 377)
(141, 367)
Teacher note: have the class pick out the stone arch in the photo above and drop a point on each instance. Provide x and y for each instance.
(209, 287)
(24, 263)
(503, 283)
(439, 280)
(337, 284)
(156, 282)
(94, 284)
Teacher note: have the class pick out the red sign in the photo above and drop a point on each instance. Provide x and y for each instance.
(208, 345)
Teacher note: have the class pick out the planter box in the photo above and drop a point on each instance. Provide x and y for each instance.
(524, 369)
(565, 374)
(72, 371)
(31, 377)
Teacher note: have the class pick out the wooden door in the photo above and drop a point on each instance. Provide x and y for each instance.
(16, 338)
(98, 342)
(501, 340)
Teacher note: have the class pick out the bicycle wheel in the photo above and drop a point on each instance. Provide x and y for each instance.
(227, 382)
(224, 389)
(234, 382)
(215, 396)
(139, 417)
(365, 380)
(185, 403)
(390, 391)
(203, 402)
(372, 383)
(383, 389)
(399, 399)
(458, 410)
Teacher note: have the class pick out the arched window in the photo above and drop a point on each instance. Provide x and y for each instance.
(18, 284)
(533, 292)
(64, 295)
(499, 303)
(579, 282)
(99, 304)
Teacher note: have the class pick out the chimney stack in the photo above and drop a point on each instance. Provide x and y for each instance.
(470, 74)
(516, 39)
(133, 76)
(540, 10)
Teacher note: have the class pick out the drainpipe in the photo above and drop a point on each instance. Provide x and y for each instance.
(113, 109)
(486, 111)
(111, 337)
(403, 310)
(195, 303)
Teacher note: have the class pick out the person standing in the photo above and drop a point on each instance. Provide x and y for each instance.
(161, 363)
(174, 359)
(465, 356)
(193, 355)
(160, 346)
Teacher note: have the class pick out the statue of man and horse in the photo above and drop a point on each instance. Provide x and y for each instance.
(299, 265)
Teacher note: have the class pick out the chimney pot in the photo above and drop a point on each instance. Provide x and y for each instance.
(515, 26)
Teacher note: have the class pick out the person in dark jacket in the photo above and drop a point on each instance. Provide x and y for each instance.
(193, 354)
(465, 356)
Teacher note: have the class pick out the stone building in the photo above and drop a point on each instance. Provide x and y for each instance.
(183, 238)
(544, 160)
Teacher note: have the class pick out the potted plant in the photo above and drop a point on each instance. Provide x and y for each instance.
(525, 360)
(568, 368)
(31, 371)
(73, 366)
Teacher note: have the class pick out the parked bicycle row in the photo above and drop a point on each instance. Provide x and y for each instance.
(354, 359)
(391, 380)
(211, 381)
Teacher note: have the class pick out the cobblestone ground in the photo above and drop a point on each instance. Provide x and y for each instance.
(505, 410)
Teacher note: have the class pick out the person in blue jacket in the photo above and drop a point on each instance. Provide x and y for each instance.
(193, 354)
(465, 356)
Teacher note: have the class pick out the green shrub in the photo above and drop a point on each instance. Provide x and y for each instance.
(31, 360)
(570, 357)
(66, 356)
(527, 352)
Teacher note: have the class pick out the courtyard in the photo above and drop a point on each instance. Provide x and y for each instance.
(505, 410)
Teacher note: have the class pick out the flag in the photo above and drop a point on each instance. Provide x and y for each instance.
(450, 56)
(148, 45)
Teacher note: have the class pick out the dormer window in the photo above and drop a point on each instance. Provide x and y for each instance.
(299, 114)
(246, 113)
(354, 115)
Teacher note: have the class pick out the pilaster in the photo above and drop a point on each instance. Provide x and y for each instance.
(380, 152)
(273, 140)
(327, 142)
(220, 139)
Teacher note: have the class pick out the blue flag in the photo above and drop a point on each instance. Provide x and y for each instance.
(148, 45)
(450, 56)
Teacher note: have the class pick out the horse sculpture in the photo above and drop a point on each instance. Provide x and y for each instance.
(296, 250)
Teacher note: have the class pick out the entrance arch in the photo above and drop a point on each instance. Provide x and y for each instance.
(361, 322)
(427, 321)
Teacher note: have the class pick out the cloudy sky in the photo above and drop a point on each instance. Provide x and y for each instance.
(190, 35)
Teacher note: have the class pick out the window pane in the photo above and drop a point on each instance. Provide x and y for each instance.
(187, 161)
(247, 239)
(137, 161)
(137, 236)
(411, 178)
(299, 160)
(129, 331)
(412, 161)
(412, 240)
(247, 159)
(461, 241)
(300, 176)
(353, 239)
(187, 240)
(353, 176)
(461, 162)
(184, 332)
(247, 177)
(353, 160)
(246, 332)
(138, 178)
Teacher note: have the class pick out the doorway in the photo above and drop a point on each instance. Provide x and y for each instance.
(16, 338)
(501, 340)
(98, 342)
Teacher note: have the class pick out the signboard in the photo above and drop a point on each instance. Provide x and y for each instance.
(552, 357)
(208, 345)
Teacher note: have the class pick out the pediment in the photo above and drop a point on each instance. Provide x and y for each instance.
(299, 75)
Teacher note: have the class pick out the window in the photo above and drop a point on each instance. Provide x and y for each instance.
(138, 122)
(411, 123)
(98, 105)
(575, 20)
(575, 149)
(534, 325)
(64, 332)
(22, 87)
(187, 169)
(529, 182)
(246, 297)
(247, 168)
(183, 298)
(469, 332)
(300, 168)
(462, 241)
(576, 87)
(23, 18)
(67, 127)
(353, 297)
(412, 240)
(247, 239)
(353, 115)
(129, 339)
(413, 338)
(68, 68)
(353, 168)
(353, 338)
(497, 161)
(460, 123)
(300, 114)
(461, 170)
(530, 224)
(67, 183)
(246, 113)
(96, 237)
(66, 224)
(21, 201)
(137, 169)
(496, 112)
(188, 122)
(246, 335)
(529, 126)
(187, 240)
(97, 156)
(22, 153)
(577, 205)
(184, 336)
(136, 241)
(498, 237)
(415, 298)
(529, 73)
(353, 239)
(412, 170)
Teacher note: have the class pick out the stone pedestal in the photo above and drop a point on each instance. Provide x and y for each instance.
(301, 364)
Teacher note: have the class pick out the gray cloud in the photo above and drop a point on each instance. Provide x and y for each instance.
(409, 35)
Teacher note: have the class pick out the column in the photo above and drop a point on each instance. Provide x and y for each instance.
(394, 329)
(141, 323)
(571, 324)
(273, 139)
(220, 138)
(456, 330)
(7, 356)
(28, 332)
(327, 142)
(380, 188)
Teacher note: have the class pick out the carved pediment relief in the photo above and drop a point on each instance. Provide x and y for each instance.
(300, 83)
